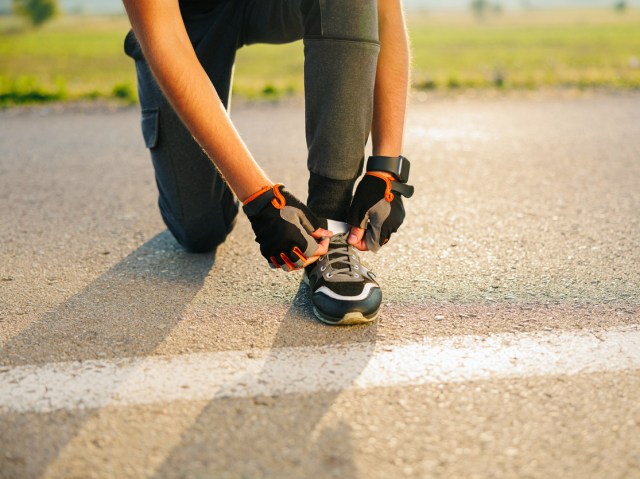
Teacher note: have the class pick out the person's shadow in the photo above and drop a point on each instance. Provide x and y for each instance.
(293, 435)
(127, 311)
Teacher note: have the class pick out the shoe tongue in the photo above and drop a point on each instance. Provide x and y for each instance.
(339, 241)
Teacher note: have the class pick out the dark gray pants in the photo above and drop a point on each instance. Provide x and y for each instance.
(341, 49)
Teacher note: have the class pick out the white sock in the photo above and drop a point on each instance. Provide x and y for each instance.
(337, 227)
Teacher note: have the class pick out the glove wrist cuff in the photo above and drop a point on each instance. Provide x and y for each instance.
(261, 198)
(255, 195)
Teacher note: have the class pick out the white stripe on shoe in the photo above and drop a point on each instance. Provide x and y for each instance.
(332, 294)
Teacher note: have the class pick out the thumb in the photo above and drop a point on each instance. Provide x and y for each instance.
(356, 235)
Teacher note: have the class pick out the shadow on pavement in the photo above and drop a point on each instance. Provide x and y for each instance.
(239, 437)
(127, 311)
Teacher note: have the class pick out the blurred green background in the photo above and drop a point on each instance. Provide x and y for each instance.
(478, 45)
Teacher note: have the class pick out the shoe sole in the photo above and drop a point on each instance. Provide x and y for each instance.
(348, 319)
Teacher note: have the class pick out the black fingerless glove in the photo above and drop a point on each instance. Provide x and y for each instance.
(377, 207)
(283, 226)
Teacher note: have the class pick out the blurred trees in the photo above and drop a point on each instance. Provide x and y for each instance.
(620, 6)
(481, 7)
(36, 12)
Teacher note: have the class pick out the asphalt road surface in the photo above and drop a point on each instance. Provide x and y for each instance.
(508, 344)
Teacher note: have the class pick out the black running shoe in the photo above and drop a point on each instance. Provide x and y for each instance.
(343, 291)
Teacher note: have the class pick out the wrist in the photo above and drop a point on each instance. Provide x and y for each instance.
(396, 166)
(251, 193)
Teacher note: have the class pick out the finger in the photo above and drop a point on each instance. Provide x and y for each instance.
(288, 264)
(356, 235)
(322, 233)
(323, 248)
(298, 255)
(361, 246)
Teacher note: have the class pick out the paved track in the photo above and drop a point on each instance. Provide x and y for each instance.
(522, 244)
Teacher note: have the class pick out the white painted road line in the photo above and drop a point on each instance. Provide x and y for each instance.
(206, 376)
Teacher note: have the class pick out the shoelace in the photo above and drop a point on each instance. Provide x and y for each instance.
(341, 254)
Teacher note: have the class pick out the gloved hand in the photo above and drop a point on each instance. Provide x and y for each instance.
(377, 209)
(289, 234)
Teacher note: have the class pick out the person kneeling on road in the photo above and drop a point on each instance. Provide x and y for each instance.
(356, 78)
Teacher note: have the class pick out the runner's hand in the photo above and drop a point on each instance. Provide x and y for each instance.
(289, 234)
(376, 210)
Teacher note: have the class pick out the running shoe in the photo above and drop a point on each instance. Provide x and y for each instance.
(343, 290)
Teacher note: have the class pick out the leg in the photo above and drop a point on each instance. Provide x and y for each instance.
(340, 62)
(196, 204)
(341, 49)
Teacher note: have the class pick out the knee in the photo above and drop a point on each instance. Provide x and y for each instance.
(343, 20)
(196, 239)
(201, 235)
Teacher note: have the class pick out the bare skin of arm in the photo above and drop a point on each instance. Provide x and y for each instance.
(392, 87)
(162, 35)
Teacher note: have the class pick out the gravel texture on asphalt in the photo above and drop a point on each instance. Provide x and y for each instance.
(526, 217)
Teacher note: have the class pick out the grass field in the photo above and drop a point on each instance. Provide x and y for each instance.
(79, 57)
(528, 50)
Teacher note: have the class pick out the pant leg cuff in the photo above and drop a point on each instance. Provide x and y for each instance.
(329, 198)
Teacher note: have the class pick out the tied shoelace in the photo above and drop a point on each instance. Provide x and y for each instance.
(341, 258)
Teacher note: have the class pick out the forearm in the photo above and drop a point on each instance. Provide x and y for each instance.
(191, 93)
(392, 80)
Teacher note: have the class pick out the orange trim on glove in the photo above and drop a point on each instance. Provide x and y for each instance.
(262, 190)
(298, 252)
(287, 261)
(279, 201)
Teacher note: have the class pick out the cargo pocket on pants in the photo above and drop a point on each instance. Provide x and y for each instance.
(150, 121)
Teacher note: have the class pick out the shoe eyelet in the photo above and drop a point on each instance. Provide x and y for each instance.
(356, 275)
(321, 258)
(329, 275)
(355, 266)
(322, 268)
(354, 256)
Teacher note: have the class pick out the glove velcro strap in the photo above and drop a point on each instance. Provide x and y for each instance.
(393, 186)
(387, 192)
(257, 204)
(402, 188)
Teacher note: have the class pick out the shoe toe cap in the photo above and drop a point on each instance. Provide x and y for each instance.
(338, 308)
